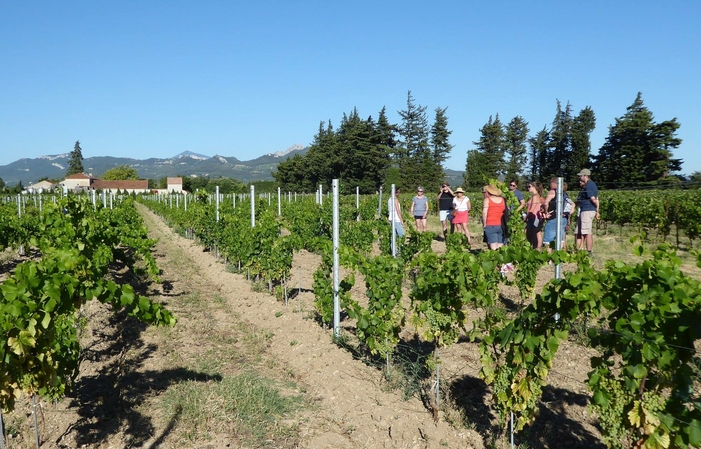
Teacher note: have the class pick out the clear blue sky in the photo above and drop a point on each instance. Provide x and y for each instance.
(154, 78)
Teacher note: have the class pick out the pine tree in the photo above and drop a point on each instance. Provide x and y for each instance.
(637, 150)
(515, 152)
(488, 163)
(539, 154)
(75, 161)
(440, 142)
(559, 146)
(365, 161)
(414, 152)
(475, 170)
(582, 127)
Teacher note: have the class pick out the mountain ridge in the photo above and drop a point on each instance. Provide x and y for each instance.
(187, 163)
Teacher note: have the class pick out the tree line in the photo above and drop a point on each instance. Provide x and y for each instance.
(369, 153)
(637, 151)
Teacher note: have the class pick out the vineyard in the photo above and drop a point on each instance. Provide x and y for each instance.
(636, 319)
(71, 246)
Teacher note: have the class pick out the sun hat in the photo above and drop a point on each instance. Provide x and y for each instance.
(459, 190)
(492, 190)
(584, 172)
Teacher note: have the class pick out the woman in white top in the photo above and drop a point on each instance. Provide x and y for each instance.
(461, 208)
(395, 213)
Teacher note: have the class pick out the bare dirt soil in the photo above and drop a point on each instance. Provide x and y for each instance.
(129, 369)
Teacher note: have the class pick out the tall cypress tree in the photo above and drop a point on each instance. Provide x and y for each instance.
(364, 160)
(582, 127)
(415, 151)
(488, 161)
(440, 142)
(638, 150)
(539, 154)
(559, 147)
(476, 169)
(515, 152)
(75, 161)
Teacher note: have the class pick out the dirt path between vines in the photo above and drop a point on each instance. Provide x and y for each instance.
(353, 411)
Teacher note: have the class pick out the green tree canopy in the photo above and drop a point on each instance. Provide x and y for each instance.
(539, 153)
(75, 161)
(357, 153)
(486, 161)
(121, 173)
(637, 150)
(413, 154)
(515, 152)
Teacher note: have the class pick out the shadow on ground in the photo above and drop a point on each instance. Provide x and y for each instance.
(109, 400)
(553, 428)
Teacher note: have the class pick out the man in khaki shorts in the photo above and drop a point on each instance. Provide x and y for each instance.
(588, 204)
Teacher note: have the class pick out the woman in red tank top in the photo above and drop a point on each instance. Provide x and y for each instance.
(492, 213)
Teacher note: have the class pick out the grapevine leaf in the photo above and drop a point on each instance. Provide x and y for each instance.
(20, 345)
(637, 371)
(694, 430)
(634, 415)
(657, 441)
(601, 398)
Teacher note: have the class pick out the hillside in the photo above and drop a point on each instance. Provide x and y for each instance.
(30, 171)
(186, 164)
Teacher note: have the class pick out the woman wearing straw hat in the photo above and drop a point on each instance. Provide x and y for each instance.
(492, 213)
(461, 210)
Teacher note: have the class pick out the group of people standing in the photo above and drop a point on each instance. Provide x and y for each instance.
(539, 212)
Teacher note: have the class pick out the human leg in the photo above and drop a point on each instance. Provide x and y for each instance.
(587, 230)
(399, 229)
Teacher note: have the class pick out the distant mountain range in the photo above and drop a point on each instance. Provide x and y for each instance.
(187, 163)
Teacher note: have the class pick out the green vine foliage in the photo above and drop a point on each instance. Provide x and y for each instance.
(646, 372)
(39, 350)
(517, 354)
(443, 285)
(379, 324)
(323, 285)
(646, 314)
(416, 243)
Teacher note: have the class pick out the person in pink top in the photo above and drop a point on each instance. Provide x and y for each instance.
(461, 210)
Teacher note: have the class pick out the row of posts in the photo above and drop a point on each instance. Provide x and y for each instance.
(21, 200)
(335, 236)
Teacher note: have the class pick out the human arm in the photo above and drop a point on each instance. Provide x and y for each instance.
(485, 211)
(549, 197)
(398, 211)
(595, 201)
(413, 203)
(593, 193)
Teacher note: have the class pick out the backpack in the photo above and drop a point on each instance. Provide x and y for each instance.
(505, 220)
(568, 205)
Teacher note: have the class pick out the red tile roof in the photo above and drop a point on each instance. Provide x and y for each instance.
(79, 176)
